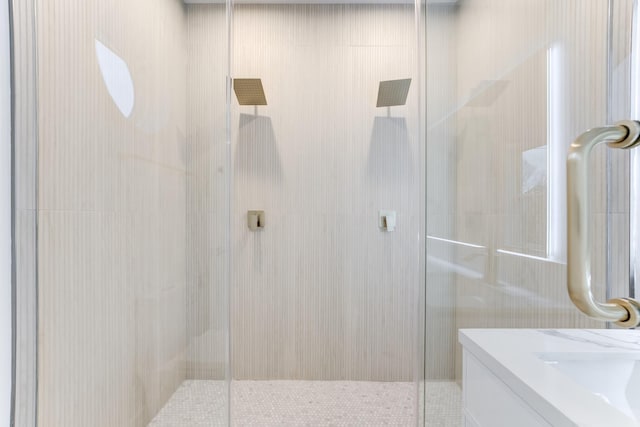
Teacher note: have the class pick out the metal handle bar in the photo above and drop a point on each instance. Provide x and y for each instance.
(624, 311)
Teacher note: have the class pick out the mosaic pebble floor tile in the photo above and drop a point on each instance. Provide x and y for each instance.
(443, 404)
(308, 403)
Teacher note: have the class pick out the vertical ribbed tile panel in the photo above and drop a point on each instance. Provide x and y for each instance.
(207, 192)
(112, 218)
(489, 74)
(440, 341)
(25, 212)
(321, 293)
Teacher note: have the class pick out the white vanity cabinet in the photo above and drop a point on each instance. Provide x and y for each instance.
(489, 402)
(550, 377)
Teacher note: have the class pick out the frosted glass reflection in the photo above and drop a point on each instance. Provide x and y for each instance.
(117, 78)
(534, 169)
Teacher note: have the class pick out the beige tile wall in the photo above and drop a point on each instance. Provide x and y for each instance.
(440, 341)
(207, 193)
(112, 221)
(321, 293)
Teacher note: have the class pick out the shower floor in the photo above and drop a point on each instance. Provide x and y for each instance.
(309, 403)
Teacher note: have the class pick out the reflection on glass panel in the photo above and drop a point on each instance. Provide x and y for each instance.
(510, 84)
(556, 156)
(117, 78)
(534, 169)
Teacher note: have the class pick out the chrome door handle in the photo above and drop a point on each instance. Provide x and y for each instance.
(624, 311)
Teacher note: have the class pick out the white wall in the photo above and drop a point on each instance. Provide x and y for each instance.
(5, 218)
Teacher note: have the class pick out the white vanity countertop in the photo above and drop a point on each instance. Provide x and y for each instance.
(528, 361)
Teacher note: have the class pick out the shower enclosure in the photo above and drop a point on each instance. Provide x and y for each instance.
(282, 212)
(149, 133)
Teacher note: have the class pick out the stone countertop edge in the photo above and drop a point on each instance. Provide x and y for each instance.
(513, 355)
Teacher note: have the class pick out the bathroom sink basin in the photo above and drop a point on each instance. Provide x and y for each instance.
(613, 378)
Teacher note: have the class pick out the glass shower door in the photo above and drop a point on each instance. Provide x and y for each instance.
(145, 284)
(510, 85)
(122, 182)
(325, 289)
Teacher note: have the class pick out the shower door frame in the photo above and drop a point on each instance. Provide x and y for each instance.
(622, 105)
(24, 207)
(634, 168)
(7, 290)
